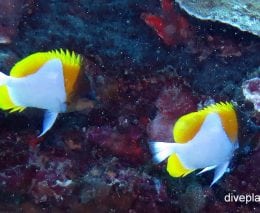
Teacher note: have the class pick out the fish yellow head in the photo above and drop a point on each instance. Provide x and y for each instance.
(45, 80)
(205, 140)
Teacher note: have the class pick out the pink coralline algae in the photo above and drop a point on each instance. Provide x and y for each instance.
(123, 145)
(214, 44)
(171, 27)
(52, 182)
(107, 187)
(173, 102)
(41, 176)
(243, 179)
(251, 91)
(99, 160)
(84, 168)
(45, 175)
(64, 178)
(124, 133)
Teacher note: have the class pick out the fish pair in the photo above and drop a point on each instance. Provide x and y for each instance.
(45, 80)
(50, 80)
(204, 140)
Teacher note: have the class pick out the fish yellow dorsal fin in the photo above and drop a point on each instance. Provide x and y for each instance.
(175, 168)
(71, 63)
(188, 125)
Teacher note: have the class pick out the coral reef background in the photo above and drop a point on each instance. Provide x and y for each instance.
(99, 161)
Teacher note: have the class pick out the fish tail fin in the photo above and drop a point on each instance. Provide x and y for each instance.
(161, 150)
(3, 78)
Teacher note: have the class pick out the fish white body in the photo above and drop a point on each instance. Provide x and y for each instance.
(43, 89)
(45, 80)
(209, 149)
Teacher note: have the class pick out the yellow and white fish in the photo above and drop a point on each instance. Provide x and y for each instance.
(45, 80)
(204, 140)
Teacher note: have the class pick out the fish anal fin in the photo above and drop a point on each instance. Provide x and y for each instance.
(49, 120)
(17, 108)
(175, 167)
(5, 101)
(219, 172)
(187, 127)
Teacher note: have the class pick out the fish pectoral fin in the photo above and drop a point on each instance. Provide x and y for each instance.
(206, 169)
(219, 172)
(48, 121)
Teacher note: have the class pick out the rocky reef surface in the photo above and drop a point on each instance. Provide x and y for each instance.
(243, 14)
(150, 63)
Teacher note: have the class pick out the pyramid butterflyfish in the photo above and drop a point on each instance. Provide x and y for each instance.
(204, 140)
(53, 81)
